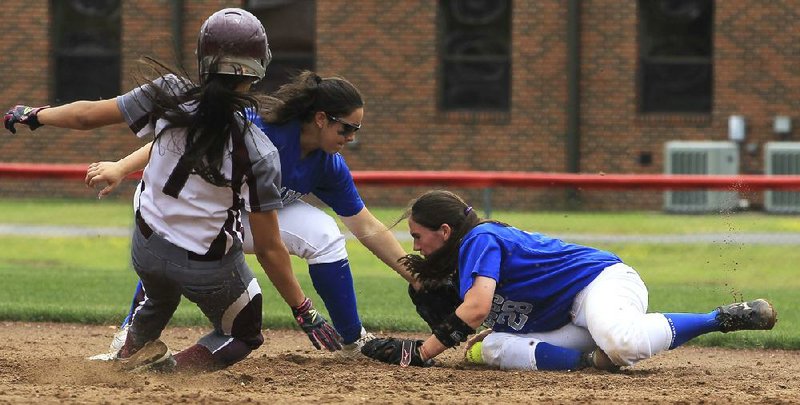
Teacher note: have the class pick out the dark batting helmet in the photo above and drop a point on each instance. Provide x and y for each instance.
(233, 42)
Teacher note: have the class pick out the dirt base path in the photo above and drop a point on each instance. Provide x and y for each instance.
(44, 363)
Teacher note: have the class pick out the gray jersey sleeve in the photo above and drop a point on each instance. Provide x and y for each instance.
(261, 189)
(136, 105)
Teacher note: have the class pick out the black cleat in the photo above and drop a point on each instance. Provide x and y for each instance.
(751, 315)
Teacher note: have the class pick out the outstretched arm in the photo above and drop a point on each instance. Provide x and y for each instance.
(474, 310)
(112, 173)
(81, 115)
(449, 333)
(273, 256)
(376, 237)
(274, 259)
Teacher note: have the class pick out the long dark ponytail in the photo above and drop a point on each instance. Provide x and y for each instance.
(211, 113)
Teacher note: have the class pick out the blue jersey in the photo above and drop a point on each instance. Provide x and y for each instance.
(322, 174)
(537, 276)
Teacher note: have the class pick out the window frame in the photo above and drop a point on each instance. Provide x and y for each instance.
(705, 106)
(444, 59)
(109, 83)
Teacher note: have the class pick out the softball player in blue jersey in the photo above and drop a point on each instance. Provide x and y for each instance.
(548, 304)
(208, 163)
(309, 121)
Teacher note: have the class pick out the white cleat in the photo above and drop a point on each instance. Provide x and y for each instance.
(116, 344)
(353, 350)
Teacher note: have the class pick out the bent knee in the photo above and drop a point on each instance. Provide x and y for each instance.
(322, 244)
(628, 347)
(624, 350)
(331, 249)
(630, 342)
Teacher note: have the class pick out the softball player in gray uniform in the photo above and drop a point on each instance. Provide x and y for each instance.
(309, 120)
(207, 163)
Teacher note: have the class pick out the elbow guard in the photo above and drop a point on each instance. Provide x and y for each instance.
(452, 331)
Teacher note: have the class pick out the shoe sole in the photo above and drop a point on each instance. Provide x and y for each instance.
(151, 354)
(763, 311)
(772, 318)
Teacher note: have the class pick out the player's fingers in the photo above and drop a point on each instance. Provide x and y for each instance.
(106, 191)
(320, 337)
(313, 339)
(93, 179)
(334, 338)
(90, 174)
(109, 188)
(329, 341)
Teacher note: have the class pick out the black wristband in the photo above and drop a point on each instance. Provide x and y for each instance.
(452, 331)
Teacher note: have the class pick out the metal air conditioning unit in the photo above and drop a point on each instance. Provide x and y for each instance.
(704, 157)
(782, 158)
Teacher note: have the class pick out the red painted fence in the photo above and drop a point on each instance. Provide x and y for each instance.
(486, 179)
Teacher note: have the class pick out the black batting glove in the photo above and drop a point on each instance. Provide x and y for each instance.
(22, 114)
(402, 352)
(316, 327)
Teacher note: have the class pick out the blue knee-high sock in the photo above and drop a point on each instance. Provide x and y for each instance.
(138, 296)
(550, 357)
(686, 327)
(334, 284)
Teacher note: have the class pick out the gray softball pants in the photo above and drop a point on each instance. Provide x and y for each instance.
(225, 290)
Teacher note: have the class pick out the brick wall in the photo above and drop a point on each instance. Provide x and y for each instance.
(388, 49)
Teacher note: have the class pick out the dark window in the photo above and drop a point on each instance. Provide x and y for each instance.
(474, 47)
(675, 56)
(86, 49)
(290, 30)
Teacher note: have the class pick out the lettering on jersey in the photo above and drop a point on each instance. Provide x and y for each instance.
(508, 312)
(289, 196)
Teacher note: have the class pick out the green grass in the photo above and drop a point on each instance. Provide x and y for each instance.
(89, 279)
(110, 213)
(106, 213)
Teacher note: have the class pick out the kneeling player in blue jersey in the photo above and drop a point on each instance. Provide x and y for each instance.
(549, 304)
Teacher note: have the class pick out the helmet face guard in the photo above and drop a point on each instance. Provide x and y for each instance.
(233, 41)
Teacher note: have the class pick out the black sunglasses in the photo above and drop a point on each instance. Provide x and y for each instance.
(347, 127)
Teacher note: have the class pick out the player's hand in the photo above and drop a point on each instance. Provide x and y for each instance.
(22, 114)
(403, 352)
(435, 304)
(110, 173)
(316, 327)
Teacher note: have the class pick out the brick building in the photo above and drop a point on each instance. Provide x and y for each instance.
(521, 85)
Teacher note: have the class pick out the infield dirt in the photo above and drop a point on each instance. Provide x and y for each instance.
(44, 363)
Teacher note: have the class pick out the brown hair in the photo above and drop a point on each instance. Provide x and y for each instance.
(308, 93)
(431, 210)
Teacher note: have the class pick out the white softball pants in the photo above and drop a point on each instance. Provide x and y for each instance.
(308, 233)
(611, 313)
